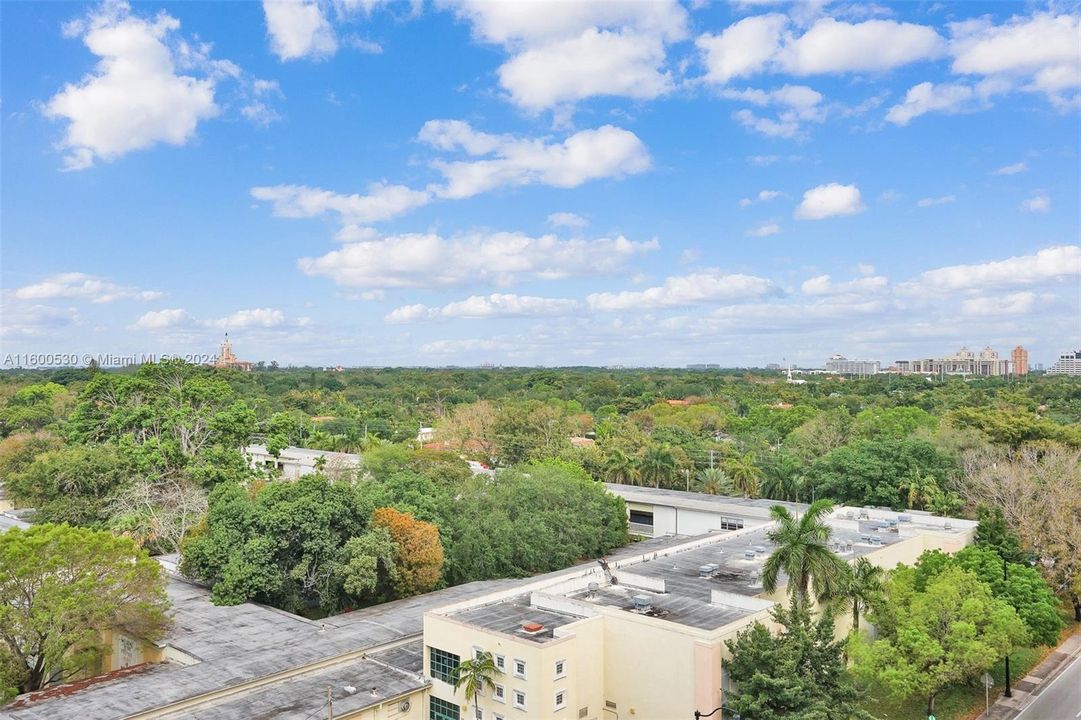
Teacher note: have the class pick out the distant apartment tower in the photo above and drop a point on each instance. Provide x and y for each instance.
(840, 365)
(1068, 363)
(1019, 361)
(704, 366)
(965, 362)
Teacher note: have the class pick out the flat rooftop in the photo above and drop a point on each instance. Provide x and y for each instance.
(221, 648)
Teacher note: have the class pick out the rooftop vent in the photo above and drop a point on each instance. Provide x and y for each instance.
(948, 526)
(865, 539)
(905, 518)
(749, 554)
(759, 549)
(705, 570)
(592, 587)
(642, 603)
(532, 628)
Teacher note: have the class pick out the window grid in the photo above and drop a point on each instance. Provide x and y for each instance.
(499, 693)
(519, 668)
(440, 709)
(519, 699)
(561, 700)
(561, 668)
(444, 664)
(501, 662)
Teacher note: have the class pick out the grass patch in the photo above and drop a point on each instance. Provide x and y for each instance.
(957, 703)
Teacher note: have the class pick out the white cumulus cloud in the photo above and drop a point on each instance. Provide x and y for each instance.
(85, 287)
(134, 98)
(567, 219)
(381, 202)
(1011, 169)
(253, 318)
(830, 200)
(932, 201)
(1020, 303)
(679, 291)
(299, 29)
(764, 230)
(160, 319)
(496, 305)
(506, 160)
(1050, 264)
(429, 261)
(1038, 203)
(824, 285)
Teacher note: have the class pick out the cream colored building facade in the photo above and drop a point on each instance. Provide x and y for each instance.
(645, 637)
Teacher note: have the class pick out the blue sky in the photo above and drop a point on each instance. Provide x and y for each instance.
(361, 182)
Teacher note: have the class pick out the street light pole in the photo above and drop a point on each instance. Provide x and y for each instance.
(699, 715)
(1005, 577)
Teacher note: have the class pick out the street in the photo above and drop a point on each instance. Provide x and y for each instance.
(1061, 700)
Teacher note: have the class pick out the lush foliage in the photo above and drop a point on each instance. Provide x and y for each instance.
(803, 554)
(796, 674)
(60, 588)
(935, 630)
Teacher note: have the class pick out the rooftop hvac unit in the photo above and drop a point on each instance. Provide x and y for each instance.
(642, 603)
(905, 518)
(705, 570)
(749, 554)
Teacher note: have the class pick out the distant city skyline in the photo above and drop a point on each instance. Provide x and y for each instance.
(636, 184)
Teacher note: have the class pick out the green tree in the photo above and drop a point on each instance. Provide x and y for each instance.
(993, 532)
(744, 473)
(60, 588)
(620, 467)
(74, 484)
(781, 477)
(715, 481)
(803, 554)
(861, 588)
(948, 633)
(476, 675)
(366, 565)
(657, 466)
(872, 472)
(798, 673)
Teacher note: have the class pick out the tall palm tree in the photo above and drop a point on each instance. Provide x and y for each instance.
(861, 587)
(657, 465)
(476, 675)
(620, 467)
(745, 473)
(781, 477)
(715, 481)
(803, 554)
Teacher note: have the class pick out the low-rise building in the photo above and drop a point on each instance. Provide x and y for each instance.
(295, 462)
(638, 634)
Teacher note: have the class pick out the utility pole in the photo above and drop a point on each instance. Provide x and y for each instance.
(1008, 692)
(330, 703)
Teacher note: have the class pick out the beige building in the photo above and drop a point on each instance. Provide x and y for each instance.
(638, 635)
(227, 358)
(965, 362)
(1068, 363)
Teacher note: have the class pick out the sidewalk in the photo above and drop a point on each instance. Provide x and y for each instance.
(1025, 689)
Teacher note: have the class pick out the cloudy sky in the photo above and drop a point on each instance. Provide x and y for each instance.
(362, 182)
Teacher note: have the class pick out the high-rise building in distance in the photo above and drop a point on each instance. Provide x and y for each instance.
(1019, 361)
(840, 365)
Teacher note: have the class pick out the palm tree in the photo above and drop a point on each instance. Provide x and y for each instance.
(781, 478)
(861, 587)
(657, 465)
(715, 481)
(745, 473)
(620, 468)
(921, 489)
(476, 675)
(802, 553)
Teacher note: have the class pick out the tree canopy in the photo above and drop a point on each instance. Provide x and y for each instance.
(60, 588)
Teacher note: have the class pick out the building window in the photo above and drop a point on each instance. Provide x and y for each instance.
(731, 524)
(440, 709)
(444, 664)
(499, 693)
(641, 517)
(519, 699)
(478, 712)
(497, 716)
(561, 668)
(561, 700)
(519, 669)
(501, 662)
